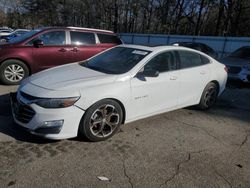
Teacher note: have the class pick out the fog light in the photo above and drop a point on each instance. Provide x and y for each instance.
(55, 123)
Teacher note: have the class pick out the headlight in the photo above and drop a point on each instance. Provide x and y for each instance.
(57, 103)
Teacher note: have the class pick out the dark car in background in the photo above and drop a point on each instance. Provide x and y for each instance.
(238, 64)
(198, 46)
(13, 34)
(44, 48)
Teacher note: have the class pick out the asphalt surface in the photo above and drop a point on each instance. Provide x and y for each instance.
(183, 148)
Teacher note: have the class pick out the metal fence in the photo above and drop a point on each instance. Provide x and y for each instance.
(222, 45)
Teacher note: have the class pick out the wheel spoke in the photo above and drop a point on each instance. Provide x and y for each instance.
(99, 131)
(13, 67)
(19, 76)
(8, 72)
(9, 69)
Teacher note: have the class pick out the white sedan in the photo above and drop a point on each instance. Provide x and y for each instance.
(126, 83)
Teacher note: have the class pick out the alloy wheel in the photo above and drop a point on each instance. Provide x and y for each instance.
(104, 121)
(14, 73)
(210, 96)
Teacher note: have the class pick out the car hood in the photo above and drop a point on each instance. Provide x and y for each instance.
(235, 61)
(70, 77)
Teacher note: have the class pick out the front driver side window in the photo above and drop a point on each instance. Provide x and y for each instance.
(163, 62)
(53, 38)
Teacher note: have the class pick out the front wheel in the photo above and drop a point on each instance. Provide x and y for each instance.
(101, 121)
(13, 71)
(209, 96)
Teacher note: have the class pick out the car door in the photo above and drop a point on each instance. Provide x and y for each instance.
(193, 76)
(54, 51)
(83, 45)
(154, 94)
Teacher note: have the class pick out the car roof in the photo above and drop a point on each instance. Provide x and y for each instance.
(91, 29)
(156, 48)
(4, 30)
(22, 30)
(191, 43)
(78, 28)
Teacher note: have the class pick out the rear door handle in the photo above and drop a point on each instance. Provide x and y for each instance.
(173, 77)
(63, 50)
(75, 49)
(203, 72)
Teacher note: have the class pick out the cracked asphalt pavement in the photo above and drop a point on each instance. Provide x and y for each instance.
(183, 148)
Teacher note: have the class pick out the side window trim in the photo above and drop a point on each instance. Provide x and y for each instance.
(68, 39)
(97, 40)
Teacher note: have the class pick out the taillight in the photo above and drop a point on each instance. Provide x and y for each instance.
(226, 69)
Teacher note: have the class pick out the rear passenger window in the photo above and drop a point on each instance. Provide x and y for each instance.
(191, 59)
(104, 38)
(82, 38)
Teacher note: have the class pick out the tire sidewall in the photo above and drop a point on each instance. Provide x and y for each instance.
(10, 62)
(202, 104)
(84, 128)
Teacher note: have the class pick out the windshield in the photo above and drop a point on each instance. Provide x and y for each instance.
(116, 60)
(241, 53)
(24, 36)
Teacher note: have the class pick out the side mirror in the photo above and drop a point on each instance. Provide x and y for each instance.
(38, 43)
(149, 73)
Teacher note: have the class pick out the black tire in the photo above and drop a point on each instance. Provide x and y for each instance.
(209, 96)
(93, 120)
(6, 65)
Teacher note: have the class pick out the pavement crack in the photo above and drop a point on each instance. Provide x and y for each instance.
(177, 171)
(126, 174)
(223, 177)
(245, 140)
(197, 127)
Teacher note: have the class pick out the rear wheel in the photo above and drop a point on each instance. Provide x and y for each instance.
(209, 96)
(101, 121)
(13, 71)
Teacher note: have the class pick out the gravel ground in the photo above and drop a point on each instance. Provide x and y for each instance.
(183, 148)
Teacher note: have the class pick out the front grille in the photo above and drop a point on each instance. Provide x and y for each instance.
(22, 112)
(233, 69)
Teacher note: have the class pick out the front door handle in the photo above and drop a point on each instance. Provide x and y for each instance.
(75, 49)
(203, 72)
(173, 77)
(63, 50)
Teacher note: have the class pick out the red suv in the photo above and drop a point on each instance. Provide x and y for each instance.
(43, 48)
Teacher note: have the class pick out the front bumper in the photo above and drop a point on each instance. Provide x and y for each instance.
(35, 119)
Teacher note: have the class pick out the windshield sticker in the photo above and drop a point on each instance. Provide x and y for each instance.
(139, 52)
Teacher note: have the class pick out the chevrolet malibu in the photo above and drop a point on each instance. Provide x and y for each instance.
(94, 97)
